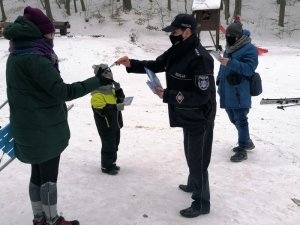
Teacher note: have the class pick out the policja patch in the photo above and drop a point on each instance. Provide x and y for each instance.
(202, 82)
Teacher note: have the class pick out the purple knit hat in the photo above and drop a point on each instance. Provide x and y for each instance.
(37, 17)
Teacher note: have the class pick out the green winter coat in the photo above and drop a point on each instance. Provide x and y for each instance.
(36, 94)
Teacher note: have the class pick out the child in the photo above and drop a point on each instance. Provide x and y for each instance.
(107, 104)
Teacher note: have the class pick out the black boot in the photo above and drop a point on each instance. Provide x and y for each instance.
(117, 167)
(239, 156)
(110, 171)
(249, 146)
(185, 188)
(193, 212)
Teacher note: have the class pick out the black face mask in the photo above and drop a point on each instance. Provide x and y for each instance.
(176, 39)
(230, 40)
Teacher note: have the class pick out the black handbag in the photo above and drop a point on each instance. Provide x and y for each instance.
(255, 84)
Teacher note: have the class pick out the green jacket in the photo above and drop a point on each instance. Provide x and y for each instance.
(36, 95)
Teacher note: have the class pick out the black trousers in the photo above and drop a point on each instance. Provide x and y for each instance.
(110, 139)
(45, 172)
(197, 148)
(110, 144)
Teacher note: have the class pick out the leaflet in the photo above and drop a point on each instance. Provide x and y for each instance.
(153, 81)
(128, 100)
(216, 54)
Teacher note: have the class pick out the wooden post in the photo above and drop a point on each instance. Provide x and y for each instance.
(281, 13)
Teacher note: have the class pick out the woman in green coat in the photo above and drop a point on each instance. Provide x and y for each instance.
(38, 113)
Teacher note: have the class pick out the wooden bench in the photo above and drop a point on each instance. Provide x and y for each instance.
(62, 26)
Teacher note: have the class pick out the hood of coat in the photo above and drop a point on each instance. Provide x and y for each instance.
(22, 28)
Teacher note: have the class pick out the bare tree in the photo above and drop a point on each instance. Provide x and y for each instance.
(48, 9)
(42, 3)
(160, 11)
(58, 3)
(169, 5)
(127, 6)
(237, 8)
(2, 11)
(67, 7)
(281, 12)
(75, 6)
(227, 11)
(82, 5)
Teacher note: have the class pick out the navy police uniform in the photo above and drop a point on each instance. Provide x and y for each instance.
(191, 99)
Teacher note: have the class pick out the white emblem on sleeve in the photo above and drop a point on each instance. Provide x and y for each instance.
(179, 97)
(202, 82)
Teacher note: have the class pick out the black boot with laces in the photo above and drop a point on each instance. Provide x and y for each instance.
(239, 156)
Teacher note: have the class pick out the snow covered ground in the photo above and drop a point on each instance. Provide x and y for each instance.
(256, 191)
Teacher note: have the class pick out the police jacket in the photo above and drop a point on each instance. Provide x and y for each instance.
(190, 92)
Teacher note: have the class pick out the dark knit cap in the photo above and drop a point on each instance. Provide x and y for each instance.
(235, 29)
(37, 17)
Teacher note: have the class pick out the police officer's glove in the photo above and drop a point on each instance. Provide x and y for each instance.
(120, 106)
(99, 71)
(234, 79)
(117, 85)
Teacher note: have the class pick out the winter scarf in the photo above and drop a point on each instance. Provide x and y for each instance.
(238, 44)
(43, 47)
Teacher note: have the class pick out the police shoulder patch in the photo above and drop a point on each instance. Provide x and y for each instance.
(202, 82)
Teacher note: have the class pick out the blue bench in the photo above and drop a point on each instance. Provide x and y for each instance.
(7, 142)
(6, 145)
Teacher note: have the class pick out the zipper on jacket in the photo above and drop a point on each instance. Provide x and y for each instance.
(107, 123)
(118, 120)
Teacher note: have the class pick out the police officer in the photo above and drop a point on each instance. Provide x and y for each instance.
(191, 99)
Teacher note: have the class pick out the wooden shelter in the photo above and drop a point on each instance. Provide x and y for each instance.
(207, 14)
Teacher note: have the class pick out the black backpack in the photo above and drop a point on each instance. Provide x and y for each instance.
(255, 84)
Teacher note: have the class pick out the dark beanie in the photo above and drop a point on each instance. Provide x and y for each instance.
(235, 29)
(37, 17)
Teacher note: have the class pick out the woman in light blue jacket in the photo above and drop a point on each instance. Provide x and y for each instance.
(238, 63)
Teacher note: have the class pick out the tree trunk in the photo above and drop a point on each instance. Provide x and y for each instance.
(48, 9)
(58, 4)
(2, 11)
(75, 6)
(237, 8)
(281, 13)
(82, 5)
(169, 5)
(227, 11)
(43, 3)
(127, 6)
(67, 7)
